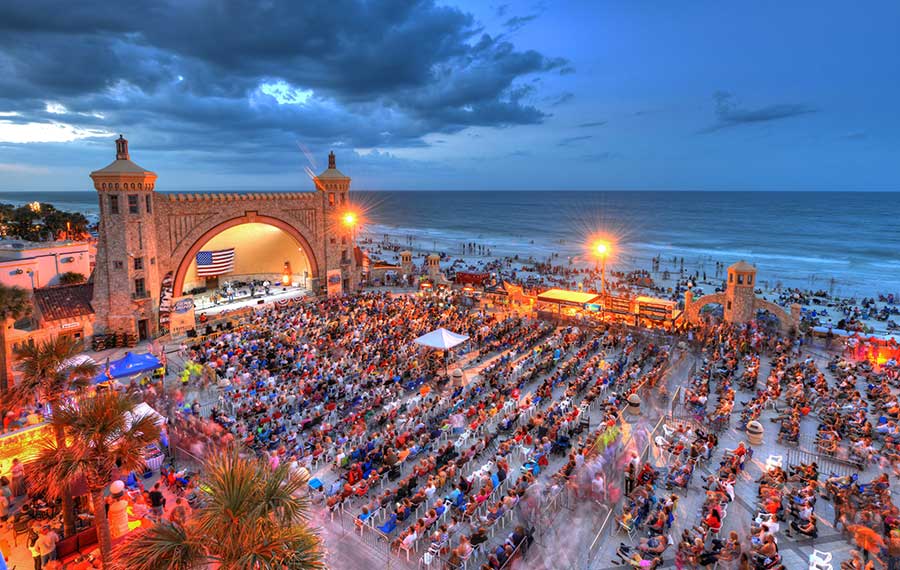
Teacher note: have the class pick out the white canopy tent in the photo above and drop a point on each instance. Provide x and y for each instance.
(441, 339)
(143, 409)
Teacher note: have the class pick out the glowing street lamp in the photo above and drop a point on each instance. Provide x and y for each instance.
(602, 249)
(349, 219)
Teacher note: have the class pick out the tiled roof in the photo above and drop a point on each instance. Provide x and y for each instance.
(64, 302)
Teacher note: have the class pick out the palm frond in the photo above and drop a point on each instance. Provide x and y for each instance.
(251, 519)
(163, 546)
(274, 547)
(48, 371)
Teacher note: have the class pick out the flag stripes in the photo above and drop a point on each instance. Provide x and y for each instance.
(212, 263)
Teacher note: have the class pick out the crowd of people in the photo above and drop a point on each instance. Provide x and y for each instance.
(459, 473)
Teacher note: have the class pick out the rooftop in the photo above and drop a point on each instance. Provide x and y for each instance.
(123, 163)
(64, 302)
(24, 245)
(332, 173)
(742, 266)
(567, 297)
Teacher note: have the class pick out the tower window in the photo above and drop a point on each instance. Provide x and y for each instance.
(343, 198)
(749, 280)
(331, 198)
(138, 263)
(147, 200)
(113, 204)
(133, 204)
(729, 305)
(740, 279)
(139, 289)
(731, 277)
(118, 265)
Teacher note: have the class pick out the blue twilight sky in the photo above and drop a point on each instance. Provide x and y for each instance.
(606, 95)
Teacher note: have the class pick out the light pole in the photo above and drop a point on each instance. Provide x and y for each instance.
(601, 248)
(349, 220)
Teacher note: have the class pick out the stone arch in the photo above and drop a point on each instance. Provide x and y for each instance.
(784, 319)
(218, 228)
(693, 311)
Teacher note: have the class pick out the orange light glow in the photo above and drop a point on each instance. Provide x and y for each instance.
(602, 248)
(349, 219)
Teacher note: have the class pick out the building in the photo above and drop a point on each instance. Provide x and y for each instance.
(64, 310)
(739, 301)
(149, 241)
(32, 265)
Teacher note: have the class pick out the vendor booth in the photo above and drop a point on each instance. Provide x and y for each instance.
(562, 304)
(441, 339)
(648, 312)
(130, 365)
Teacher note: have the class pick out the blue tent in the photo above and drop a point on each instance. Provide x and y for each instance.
(129, 365)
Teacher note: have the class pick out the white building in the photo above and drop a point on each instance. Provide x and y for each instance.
(32, 265)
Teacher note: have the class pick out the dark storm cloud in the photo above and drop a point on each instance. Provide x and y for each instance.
(561, 99)
(518, 22)
(599, 156)
(730, 114)
(569, 141)
(368, 74)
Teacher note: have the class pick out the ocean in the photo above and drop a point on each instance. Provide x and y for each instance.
(847, 243)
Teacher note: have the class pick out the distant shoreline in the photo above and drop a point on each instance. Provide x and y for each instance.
(840, 242)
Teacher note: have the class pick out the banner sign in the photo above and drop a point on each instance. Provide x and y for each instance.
(165, 303)
(334, 282)
(182, 318)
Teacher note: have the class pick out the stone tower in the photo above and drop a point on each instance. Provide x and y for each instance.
(335, 188)
(406, 264)
(126, 279)
(433, 267)
(739, 296)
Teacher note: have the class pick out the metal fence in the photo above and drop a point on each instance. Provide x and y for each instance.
(806, 451)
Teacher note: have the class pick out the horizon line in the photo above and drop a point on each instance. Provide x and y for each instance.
(473, 190)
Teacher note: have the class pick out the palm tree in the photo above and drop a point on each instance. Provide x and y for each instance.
(251, 518)
(105, 438)
(50, 370)
(15, 303)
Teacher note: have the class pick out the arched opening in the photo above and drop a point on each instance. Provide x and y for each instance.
(265, 249)
(769, 321)
(712, 313)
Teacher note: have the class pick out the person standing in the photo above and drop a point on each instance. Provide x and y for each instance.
(17, 472)
(46, 545)
(33, 549)
(157, 502)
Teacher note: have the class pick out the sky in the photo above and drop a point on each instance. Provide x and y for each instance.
(469, 95)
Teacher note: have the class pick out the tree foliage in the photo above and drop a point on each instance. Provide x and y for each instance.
(251, 518)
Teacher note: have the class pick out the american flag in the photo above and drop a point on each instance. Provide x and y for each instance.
(212, 263)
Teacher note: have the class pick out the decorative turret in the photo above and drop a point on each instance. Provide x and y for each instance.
(121, 148)
(739, 296)
(433, 267)
(126, 282)
(334, 182)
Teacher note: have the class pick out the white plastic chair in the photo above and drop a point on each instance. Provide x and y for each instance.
(774, 461)
(819, 560)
